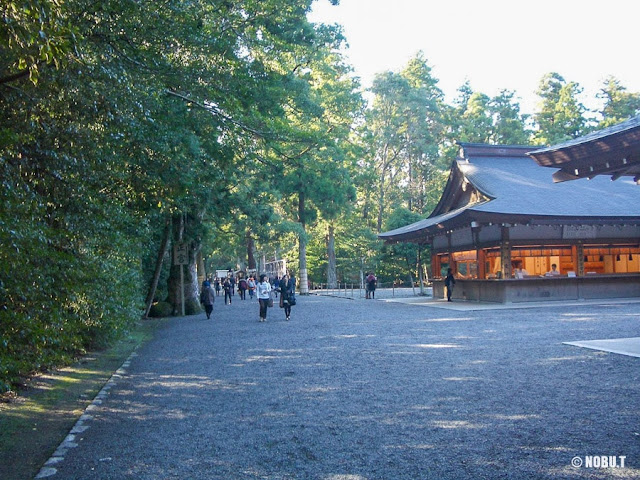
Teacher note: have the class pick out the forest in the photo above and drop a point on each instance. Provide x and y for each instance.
(236, 128)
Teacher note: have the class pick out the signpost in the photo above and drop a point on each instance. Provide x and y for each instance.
(181, 258)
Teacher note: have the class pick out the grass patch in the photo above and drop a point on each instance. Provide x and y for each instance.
(34, 421)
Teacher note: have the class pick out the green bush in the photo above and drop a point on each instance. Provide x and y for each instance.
(161, 310)
(63, 293)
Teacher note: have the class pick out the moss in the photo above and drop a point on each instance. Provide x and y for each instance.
(192, 307)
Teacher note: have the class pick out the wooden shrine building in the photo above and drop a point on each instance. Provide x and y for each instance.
(501, 212)
(613, 151)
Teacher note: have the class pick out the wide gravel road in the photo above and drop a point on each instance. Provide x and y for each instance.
(364, 390)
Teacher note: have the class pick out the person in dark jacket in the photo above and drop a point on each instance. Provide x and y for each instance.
(372, 282)
(287, 294)
(207, 298)
(449, 282)
(242, 288)
(226, 286)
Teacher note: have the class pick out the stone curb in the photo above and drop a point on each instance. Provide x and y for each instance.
(49, 469)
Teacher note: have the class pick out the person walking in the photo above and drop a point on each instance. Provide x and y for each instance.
(226, 286)
(242, 288)
(449, 282)
(217, 284)
(207, 298)
(287, 294)
(232, 280)
(372, 281)
(264, 295)
(251, 285)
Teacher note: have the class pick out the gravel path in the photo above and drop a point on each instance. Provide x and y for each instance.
(364, 390)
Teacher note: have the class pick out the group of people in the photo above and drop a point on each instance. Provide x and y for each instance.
(263, 289)
(286, 286)
(227, 286)
(520, 272)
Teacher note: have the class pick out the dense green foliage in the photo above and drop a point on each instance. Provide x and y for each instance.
(239, 126)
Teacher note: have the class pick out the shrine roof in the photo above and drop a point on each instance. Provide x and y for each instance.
(613, 151)
(502, 183)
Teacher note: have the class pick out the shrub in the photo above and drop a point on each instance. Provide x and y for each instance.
(160, 310)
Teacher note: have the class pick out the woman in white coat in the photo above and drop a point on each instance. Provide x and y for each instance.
(264, 294)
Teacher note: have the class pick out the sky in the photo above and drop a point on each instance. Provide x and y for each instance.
(494, 44)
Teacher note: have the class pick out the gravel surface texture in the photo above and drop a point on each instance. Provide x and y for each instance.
(367, 390)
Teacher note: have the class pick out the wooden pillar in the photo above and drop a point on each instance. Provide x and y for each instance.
(577, 258)
(482, 271)
(480, 257)
(580, 249)
(435, 265)
(450, 253)
(505, 253)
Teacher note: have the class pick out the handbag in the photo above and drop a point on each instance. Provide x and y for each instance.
(270, 301)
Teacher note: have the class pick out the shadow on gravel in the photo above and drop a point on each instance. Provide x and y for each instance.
(371, 390)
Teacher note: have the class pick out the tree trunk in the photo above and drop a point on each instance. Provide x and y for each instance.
(162, 251)
(420, 270)
(302, 240)
(190, 273)
(332, 277)
(411, 187)
(190, 288)
(304, 276)
(251, 259)
(202, 271)
(366, 204)
(380, 205)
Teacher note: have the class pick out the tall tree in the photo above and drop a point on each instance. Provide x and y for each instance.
(404, 132)
(508, 124)
(477, 118)
(619, 104)
(311, 162)
(477, 123)
(384, 135)
(70, 202)
(258, 110)
(561, 114)
(424, 134)
(157, 108)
